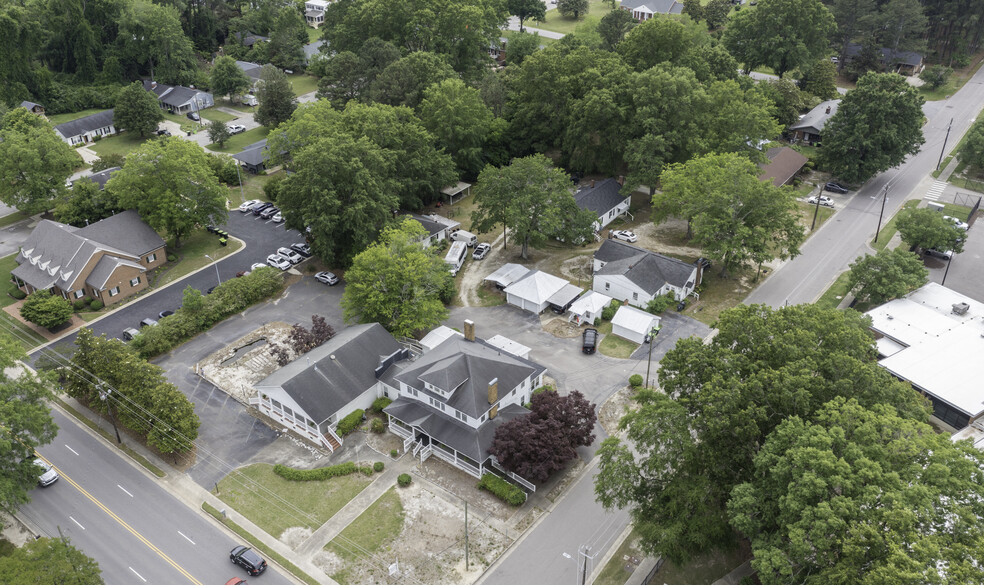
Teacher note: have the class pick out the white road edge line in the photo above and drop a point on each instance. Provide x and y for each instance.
(186, 538)
(124, 490)
(137, 574)
(72, 450)
(76, 522)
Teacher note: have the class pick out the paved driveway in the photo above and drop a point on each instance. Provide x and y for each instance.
(12, 236)
(965, 275)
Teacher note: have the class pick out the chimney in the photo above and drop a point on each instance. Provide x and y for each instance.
(828, 109)
(469, 330)
(620, 180)
(153, 85)
(592, 183)
(494, 397)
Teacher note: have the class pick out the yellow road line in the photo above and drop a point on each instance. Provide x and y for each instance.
(123, 523)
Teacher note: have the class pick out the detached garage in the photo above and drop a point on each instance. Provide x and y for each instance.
(633, 324)
(533, 291)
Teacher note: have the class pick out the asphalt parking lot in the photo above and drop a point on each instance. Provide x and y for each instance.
(965, 275)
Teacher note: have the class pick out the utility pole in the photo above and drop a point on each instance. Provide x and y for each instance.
(652, 340)
(104, 395)
(947, 271)
(882, 213)
(945, 138)
(816, 212)
(583, 557)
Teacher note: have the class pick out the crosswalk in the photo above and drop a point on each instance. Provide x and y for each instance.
(936, 190)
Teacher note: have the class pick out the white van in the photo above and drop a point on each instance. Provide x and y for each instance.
(466, 237)
(250, 100)
(456, 257)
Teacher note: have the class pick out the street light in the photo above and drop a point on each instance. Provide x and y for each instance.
(652, 340)
(217, 277)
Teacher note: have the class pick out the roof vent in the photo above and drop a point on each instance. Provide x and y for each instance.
(960, 308)
(332, 356)
(890, 317)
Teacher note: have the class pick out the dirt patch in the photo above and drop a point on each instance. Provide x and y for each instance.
(237, 366)
(559, 326)
(464, 487)
(579, 268)
(295, 536)
(384, 443)
(612, 411)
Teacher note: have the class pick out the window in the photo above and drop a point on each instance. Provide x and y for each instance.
(114, 291)
(151, 257)
(461, 415)
(135, 281)
(608, 286)
(78, 294)
(276, 404)
(483, 418)
(635, 296)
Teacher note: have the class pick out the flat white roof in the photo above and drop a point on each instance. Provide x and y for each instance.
(509, 346)
(437, 337)
(634, 319)
(508, 274)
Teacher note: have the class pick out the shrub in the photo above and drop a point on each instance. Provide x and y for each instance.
(46, 310)
(394, 453)
(597, 322)
(635, 380)
(608, 312)
(377, 426)
(172, 258)
(366, 470)
(351, 422)
(80, 305)
(17, 293)
(659, 304)
(379, 404)
(544, 388)
(96, 305)
(404, 480)
(377, 466)
(502, 489)
(319, 474)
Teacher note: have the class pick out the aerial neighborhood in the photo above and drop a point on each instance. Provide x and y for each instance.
(491, 292)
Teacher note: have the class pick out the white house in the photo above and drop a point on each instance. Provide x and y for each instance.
(312, 393)
(643, 10)
(628, 273)
(537, 290)
(588, 307)
(604, 200)
(633, 324)
(449, 401)
(438, 228)
(314, 12)
(85, 130)
(179, 99)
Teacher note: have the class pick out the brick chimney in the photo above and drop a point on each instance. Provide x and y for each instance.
(153, 85)
(828, 109)
(620, 180)
(494, 397)
(469, 330)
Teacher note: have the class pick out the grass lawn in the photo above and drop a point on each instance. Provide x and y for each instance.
(956, 81)
(557, 23)
(183, 121)
(314, 34)
(252, 189)
(214, 115)
(835, 293)
(18, 331)
(191, 256)
(237, 142)
(369, 533)
(720, 294)
(806, 215)
(249, 491)
(612, 345)
(302, 83)
(886, 233)
(13, 218)
(120, 144)
(7, 264)
(546, 41)
(239, 107)
(62, 118)
(489, 297)
(702, 570)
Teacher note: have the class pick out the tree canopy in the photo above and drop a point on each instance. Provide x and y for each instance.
(781, 34)
(887, 275)
(398, 283)
(926, 228)
(227, 78)
(276, 97)
(527, 10)
(36, 162)
(46, 310)
(137, 110)
(86, 202)
(455, 115)
(50, 561)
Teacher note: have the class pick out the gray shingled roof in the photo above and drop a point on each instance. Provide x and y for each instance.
(124, 231)
(601, 198)
(431, 225)
(312, 49)
(87, 124)
(255, 154)
(321, 385)
(655, 6)
(252, 70)
(249, 39)
(888, 56)
(464, 368)
(648, 270)
(100, 178)
(179, 96)
(105, 268)
(159, 89)
(818, 117)
(30, 105)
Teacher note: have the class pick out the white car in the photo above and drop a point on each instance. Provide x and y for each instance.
(824, 200)
(326, 277)
(48, 475)
(248, 206)
(278, 217)
(291, 255)
(236, 128)
(624, 235)
(960, 224)
(256, 265)
(278, 261)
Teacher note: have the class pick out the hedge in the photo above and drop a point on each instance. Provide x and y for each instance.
(379, 404)
(96, 304)
(351, 422)
(17, 293)
(319, 474)
(502, 489)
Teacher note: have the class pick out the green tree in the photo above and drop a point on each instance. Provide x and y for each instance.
(171, 184)
(534, 200)
(710, 62)
(455, 115)
(716, 13)
(877, 125)
(856, 20)
(521, 46)
(24, 415)
(527, 9)
(86, 203)
(613, 28)
(697, 438)
(736, 218)
(781, 34)
(50, 561)
(572, 8)
(927, 229)
(218, 133)
(347, 76)
(661, 39)
(150, 35)
(936, 75)
(21, 38)
(902, 25)
(735, 117)
(287, 40)
(276, 97)
(36, 162)
(789, 100)
(402, 83)
(397, 283)
(598, 125)
(137, 110)
(971, 149)
(46, 310)
(857, 492)
(227, 78)
(820, 79)
(888, 275)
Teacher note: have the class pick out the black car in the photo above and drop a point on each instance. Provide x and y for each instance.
(261, 208)
(163, 314)
(302, 249)
(247, 558)
(836, 188)
(589, 340)
(194, 116)
(164, 132)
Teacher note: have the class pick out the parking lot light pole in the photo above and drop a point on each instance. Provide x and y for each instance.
(217, 277)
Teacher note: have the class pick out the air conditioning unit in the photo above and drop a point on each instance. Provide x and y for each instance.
(960, 308)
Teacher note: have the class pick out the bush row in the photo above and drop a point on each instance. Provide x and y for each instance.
(351, 422)
(201, 312)
(321, 473)
(502, 489)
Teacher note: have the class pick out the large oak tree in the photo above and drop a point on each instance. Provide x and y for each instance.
(36, 162)
(781, 34)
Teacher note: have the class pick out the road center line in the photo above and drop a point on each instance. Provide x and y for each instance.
(186, 538)
(76, 522)
(72, 450)
(124, 490)
(137, 574)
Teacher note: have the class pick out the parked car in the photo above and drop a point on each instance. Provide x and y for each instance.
(589, 340)
(956, 221)
(624, 235)
(836, 188)
(129, 333)
(163, 314)
(48, 475)
(247, 558)
(291, 255)
(256, 265)
(326, 277)
(944, 255)
(236, 128)
(481, 251)
(163, 132)
(148, 322)
(250, 100)
(258, 209)
(194, 116)
(269, 212)
(824, 200)
(302, 249)
(278, 261)
(277, 217)
(248, 206)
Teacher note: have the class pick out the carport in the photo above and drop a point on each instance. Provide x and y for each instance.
(507, 274)
(561, 300)
(633, 324)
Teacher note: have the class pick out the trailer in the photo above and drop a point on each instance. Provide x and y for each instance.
(455, 257)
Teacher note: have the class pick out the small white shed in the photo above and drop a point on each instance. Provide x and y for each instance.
(633, 324)
(588, 308)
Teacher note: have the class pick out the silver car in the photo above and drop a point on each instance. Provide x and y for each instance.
(278, 261)
(48, 475)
